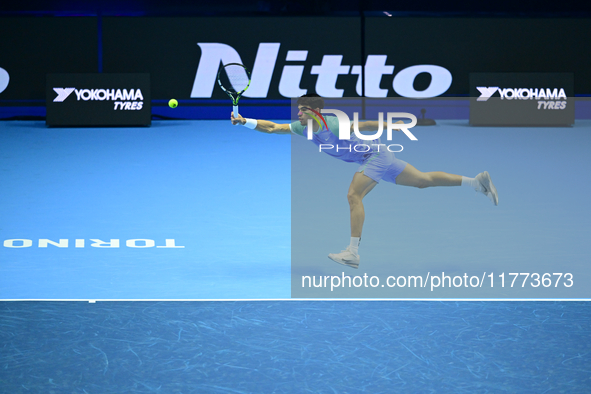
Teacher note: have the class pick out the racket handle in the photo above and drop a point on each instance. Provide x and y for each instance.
(235, 111)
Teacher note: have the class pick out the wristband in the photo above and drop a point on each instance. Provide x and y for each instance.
(250, 123)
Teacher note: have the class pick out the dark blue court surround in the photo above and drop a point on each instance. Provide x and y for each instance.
(295, 347)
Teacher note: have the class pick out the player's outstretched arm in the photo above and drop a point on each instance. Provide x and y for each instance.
(264, 126)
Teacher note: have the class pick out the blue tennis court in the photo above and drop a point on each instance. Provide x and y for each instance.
(202, 185)
(203, 210)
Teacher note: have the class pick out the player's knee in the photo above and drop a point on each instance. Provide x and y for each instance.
(425, 180)
(353, 198)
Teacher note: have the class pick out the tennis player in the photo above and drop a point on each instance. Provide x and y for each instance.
(375, 165)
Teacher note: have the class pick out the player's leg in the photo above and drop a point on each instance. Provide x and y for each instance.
(410, 176)
(413, 177)
(360, 186)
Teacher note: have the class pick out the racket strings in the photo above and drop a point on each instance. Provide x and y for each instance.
(237, 78)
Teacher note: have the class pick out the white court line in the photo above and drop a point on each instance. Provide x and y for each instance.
(301, 299)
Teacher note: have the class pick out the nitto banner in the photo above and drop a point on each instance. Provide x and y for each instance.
(98, 100)
(373, 57)
(287, 57)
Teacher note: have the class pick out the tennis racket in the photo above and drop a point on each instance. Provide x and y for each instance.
(234, 79)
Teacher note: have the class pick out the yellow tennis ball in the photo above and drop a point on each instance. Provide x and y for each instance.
(173, 103)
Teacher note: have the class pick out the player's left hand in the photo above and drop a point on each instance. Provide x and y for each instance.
(239, 120)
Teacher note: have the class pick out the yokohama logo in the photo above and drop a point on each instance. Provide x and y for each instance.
(521, 93)
(97, 94)
(331, 67)
(62, 94)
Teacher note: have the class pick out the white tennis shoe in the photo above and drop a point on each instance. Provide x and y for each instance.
(488, 189)
(346, 257)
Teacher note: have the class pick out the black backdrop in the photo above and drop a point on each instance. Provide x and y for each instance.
(161, 38)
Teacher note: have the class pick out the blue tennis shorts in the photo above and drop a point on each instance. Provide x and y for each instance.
(382, 166)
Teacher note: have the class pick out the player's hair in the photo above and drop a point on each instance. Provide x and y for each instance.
(311, 100)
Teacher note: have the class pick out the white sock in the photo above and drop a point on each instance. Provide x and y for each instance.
(471, 182)
(354, 245)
